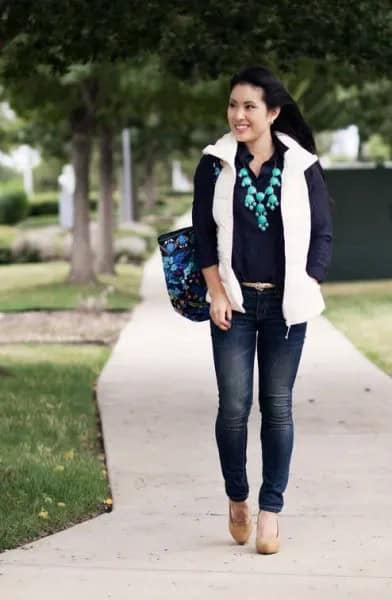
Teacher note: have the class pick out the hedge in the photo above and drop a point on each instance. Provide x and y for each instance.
(14, 207)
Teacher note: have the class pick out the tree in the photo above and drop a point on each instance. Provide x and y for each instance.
(204, 39)
(40, 38)
(64, 105)
(369, 106)
(196, 42)
(199, 39)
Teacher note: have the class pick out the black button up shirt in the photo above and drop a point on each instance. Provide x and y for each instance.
(259, 255)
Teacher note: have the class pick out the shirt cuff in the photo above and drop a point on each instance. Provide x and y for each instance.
(317, 273)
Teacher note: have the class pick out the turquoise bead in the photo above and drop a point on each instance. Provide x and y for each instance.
(254, 199)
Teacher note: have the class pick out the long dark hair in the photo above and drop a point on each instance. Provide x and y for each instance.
(290, 119)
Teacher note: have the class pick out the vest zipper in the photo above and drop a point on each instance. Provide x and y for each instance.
(287, 333)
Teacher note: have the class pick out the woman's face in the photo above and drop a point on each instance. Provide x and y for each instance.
(247, 114)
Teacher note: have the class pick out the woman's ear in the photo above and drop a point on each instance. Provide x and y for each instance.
(274, 114)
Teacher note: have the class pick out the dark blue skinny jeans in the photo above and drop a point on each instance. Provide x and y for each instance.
(261, 328)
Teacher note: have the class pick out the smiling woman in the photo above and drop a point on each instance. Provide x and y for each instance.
(250, 118)
(263, 234)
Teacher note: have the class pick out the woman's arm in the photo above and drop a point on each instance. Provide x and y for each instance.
(320, 248)
(202, 220)
(206, 240)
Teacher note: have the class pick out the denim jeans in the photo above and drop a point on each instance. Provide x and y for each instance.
(261, 328)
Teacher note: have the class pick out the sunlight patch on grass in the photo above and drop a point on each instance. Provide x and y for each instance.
(362, 310)
(52, 472)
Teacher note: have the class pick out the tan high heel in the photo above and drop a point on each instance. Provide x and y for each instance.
(267, 544)
(240, 531)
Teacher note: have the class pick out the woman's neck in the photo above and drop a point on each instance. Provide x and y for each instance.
(263, 147)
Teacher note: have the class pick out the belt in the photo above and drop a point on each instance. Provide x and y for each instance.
(259, 285)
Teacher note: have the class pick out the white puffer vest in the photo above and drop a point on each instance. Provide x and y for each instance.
(302, 297)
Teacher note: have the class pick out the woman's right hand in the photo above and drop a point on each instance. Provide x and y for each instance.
(221, 311)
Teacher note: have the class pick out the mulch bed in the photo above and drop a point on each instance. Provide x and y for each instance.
(62, 326)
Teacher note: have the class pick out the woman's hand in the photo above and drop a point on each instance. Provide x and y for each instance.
(221, 311)
(220, 307)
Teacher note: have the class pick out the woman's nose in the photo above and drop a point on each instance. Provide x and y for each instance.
(239, 114)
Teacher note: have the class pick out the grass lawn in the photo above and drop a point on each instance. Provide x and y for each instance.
(168, 208)
(52, 472)
(363, 312)
(44, 285)
(7, 234)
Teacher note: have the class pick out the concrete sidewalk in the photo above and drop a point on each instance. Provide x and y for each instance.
(167, 536)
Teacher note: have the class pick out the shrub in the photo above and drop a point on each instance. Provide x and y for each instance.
(5, 254)
(26, 252)
(50, 207)
(13, 206)
(37, 245)
(130, 249)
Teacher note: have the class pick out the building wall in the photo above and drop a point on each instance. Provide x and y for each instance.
(362, 216)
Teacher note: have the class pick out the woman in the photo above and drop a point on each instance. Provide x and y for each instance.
(262, 222)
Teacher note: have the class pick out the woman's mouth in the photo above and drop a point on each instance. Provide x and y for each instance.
(241, 128)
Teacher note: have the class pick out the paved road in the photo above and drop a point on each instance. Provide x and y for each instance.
(167, 538)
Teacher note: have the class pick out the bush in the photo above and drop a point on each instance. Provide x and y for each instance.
(27, 252)
(9, 176)
(13, 206)
(5, 254)
(130, 249)
(36, 245)
(7, 236)
(50, 206)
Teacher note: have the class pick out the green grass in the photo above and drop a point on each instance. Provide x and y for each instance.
(45, 286)
(7, 234)
(52, 472)
(169, 207)
(174, 204)
(47, 196)
(38, 221)
(363, 312)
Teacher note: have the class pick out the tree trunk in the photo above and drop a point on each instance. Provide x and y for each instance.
(105, 256)
(81, 256)
(135, 191)
(150, 185)
(360, 156)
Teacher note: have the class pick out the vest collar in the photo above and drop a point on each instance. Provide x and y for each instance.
(225, 148)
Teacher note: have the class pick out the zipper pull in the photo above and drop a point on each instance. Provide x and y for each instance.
(287, 333)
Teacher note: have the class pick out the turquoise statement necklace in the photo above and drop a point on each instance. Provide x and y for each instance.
(258, 201)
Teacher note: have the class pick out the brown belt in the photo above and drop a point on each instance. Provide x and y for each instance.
(259, 285)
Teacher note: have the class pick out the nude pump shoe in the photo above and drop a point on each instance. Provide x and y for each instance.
(240, 531)
(269, 544)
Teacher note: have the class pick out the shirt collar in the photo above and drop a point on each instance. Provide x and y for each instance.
(244, 156)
